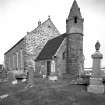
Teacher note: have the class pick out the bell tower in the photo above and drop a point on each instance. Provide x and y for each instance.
(74, 22)
(74, 30)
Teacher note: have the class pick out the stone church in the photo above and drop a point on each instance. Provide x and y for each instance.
(48, 52)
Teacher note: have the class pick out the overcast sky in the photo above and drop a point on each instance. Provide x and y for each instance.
(17, 17)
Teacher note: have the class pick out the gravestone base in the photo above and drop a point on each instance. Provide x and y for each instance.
(96, 86)
(53, 77)
(11, 77)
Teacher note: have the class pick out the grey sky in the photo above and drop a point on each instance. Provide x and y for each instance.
(17, 17)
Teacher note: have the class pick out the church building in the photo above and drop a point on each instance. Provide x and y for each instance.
(21, 56)
(48, 52)
(64, 54)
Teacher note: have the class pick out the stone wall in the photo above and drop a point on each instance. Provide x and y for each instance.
(36, 39)
(60, 62)
(74, 53)
(61, 59)
(22, 55)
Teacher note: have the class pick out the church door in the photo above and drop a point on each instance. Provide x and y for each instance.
(48, 67)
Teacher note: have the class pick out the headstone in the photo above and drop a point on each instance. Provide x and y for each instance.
(11, 76)
(31, 77)
(4, 96)
(14, 82)
(95, 83)
(53, 78)
(24, 80)
(44, 76)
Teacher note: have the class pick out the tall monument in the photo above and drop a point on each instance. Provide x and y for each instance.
(74, 29)
(95, 83)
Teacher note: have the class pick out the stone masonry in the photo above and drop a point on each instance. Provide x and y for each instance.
(74, 29)
(66, 51)
(21, 56)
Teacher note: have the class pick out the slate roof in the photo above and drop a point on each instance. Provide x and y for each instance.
(14, 46)
(50, 48)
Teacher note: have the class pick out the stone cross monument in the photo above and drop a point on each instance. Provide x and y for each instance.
(95, 83)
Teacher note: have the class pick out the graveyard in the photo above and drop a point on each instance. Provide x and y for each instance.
(45, 92)
(63, 91)
(56, 76)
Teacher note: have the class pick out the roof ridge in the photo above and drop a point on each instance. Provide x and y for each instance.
(49, 19)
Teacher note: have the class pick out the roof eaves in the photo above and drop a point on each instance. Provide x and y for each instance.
(14, 46)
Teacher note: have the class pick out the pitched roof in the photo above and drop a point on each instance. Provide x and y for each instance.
(48, 23)
(39, 30)
(37, 38)
(50, 48)
(14, 45)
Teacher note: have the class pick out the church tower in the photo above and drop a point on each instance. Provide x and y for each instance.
(74, 30)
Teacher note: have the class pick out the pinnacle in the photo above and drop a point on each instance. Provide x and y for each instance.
(74, 5)
(75, 10)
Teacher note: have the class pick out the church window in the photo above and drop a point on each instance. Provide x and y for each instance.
(9, 62)
(13, 61)
(75, 19)
(63, 55)
(49, 26)
(21, 56)
(17, 55)
(80, 49)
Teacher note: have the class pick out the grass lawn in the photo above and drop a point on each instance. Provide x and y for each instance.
(52, 93)
(9, 88)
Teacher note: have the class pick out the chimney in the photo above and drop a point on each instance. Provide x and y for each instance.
(39, 23)
(28, 33)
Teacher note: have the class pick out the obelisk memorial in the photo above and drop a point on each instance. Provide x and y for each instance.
(95, 82)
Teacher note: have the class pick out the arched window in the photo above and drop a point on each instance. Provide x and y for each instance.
(63, 55)
(17, 55)
(75, 19)
(21, 58)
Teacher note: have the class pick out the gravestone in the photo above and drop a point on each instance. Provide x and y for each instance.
(96, 80)
(31, 77)
(30, 73)
(11, 76)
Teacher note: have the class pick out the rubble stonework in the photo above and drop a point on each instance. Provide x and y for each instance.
(36, 39)
(30, 45)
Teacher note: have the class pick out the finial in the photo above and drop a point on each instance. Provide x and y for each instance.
(39, 23)
(48, 16)
(27, 33)
(97, 46)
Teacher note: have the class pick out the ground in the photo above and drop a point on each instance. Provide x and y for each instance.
(47, 92)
